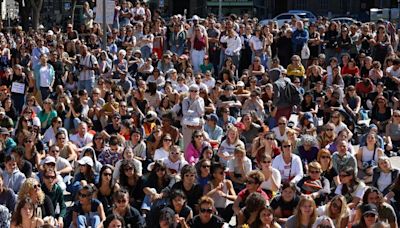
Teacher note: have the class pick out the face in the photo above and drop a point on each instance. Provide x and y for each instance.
(384, 164)
(373, 198)
(336, 206)
(345, 178)
(123, 202)
(129, 171)
(287, 147)
(27, 211)
(370, 219)
(11, 165)
(178, 202)
(115, 224)
(288, 194)
(189, 178)
(206, 212)
(107, 174)
(306, 209)
(342, 147)
(232, 135)
(266, 216)
(49, 178)
(251, 184)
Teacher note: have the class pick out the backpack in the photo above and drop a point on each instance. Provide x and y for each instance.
(292, 94)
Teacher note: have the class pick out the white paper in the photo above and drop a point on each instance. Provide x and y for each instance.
(18, 88)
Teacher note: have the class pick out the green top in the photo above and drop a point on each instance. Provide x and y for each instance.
(45, 118)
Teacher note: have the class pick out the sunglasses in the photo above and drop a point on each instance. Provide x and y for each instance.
(167, 140)
(250, 182)
(206, 166)
(329, 129)
(286, 146)
(83, 195)
(107, 174)
(36, 186)
(198, 136)
(122, 201)
(128, 168)
(50, 177)
(193, 91)
(266, 162)
(269, 138)
(206, 210)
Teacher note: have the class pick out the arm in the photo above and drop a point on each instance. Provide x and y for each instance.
(359, 158)
(102, 215)
(236, 203)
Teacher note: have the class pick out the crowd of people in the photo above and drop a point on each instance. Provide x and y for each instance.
(199, 122)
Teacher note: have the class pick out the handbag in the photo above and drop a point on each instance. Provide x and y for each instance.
(305, 52)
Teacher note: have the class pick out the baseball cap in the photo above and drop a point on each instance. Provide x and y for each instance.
(369, 209)
(213, 117)
(86, 161)
(49, 159)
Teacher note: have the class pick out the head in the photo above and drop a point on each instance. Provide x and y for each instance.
(106, 174)
(121, 199)
(324, 157)
(254, 179)
(25, 209)
(337, 205)
(31, 188)
(307, 208)
(206, 205)
(373, 196)
(178, 199)
(288, 191)
(85, 194)
(188, 174)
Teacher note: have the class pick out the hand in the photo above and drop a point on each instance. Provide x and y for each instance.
(60, 222)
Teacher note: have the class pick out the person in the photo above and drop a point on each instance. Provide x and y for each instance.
(106, 186)
(238, 167)
(324, 158)
(206, 218)
(342, 158)
(7, 196)
(87, 65)
(265, 218)
(288, 164)
(254, 204)
(45, 76)
(368, 156)
(87, 210)
(384, 175)
(273, 179)
(336, 209)
(351, 187)
(305, 215)
(25, 215)
(85, 176)
(12, 176)
(114, 221)
(369, 216)
(130, 180)
(121, 208)
(195, 147)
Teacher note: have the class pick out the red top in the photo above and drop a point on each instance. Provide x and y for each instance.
(199, 44)
(354, 72)
(245, 193)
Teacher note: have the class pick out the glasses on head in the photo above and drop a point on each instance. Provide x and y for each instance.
(206, 210)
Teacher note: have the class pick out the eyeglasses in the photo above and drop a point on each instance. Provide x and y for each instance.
(193, 91)
(250, 182)
(49, 177)
(83, 195)
(269, 138)
(107, 174)
(329, 129)
(206, 166)
(167, 140)
(36, 186)
(206, 210)
(116, 118)
(198, 136)
(122, 201)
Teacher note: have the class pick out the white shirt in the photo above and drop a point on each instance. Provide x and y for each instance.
(45, 76)
(268, 183)
(177, 166)
(358, 192)
(88, 61)
(394, 73)
(280, 137)
(234, 44)
(81, 141)
(257, 43)
(160, 154)
(210, 83)
(294, 169)
(233, 165)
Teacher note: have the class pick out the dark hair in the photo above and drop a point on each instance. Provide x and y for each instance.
(177, 193)
(187, 169)
(154, 178)
(104, 168)
(369, 191)
(112, 217)
(196, 132)
(215, 167)
(114, 140)
(19, 150)
(354, 181)
(17, 217)
(120, 193)
(123, 179)
(9, 158)
(255, 202)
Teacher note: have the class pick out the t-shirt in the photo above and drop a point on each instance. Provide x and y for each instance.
(193, 195)
(287, 208)
(215, 222)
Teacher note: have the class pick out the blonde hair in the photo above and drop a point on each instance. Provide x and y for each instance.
(343, 209)
(26, 188)
(303, 200)
(324, 152)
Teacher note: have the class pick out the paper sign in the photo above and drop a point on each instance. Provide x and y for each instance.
(18, 88)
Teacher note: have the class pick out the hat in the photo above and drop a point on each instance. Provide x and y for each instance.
(194, 87)
(151, 116)
(50, 33)
(138, 52)
(36, 122)
(195, 18)
(372, 126)
(4, 131)
(370, 209)
(184, 57)
(229, 87)
(239, 125)
(308, 116)
(86, 161)
(240, 84)
(41, 27)
(117, 115)
(213, 117)
(2, 110)
(49, 159)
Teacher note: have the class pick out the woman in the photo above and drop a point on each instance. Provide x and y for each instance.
(257, 44)
(43, 205)
(189, 186)
(50, 134)
(114, 221)
(393, 130)
(238, 167)
(199, 48)
(384, 175)
(308, 150)
(193, 110)
(306, 125)
(120, 65)
(296, 69)
(221, 191)
(308, 105)
(351, 187)
(128, 155)
(337, 210)
(87, 210)
(324, 158)
(85, 176)
(272, 181)
(352, 103)
(255, 202)
(98, 144)
(305, 215)
(284, 204)
(337, 120)
(314, 184)
(121, 207)
(193, 150)
(264, 144)
(47, 114)
(163, 152)
(106, 188)
(367, 157)
(369, 216)
(265, 218)
(25, 216)
(227, 147)
(10, 109)
(288, 164)
(203, 171)
(130, 180)
(7, 196)
(381, 113)
(209, 106)
(256, 69)
(350, 73)
(381, 44)
(31, 153)
(156, 186)
(165, 64)
(342, 136)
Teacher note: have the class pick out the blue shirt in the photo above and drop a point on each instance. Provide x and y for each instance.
(214, 134)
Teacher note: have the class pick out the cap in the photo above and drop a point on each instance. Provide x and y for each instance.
(184, 57)
(49, 159)
(138, 52)
(308, 116)
(50, 33)
(240, 84)
(195, 18)
(370, 209)
(194, 87)
(213, 117)
(86, 161)
(4, 131)
(117, 115)
(239, 125)
(229, 87)
(372, 126)
(151, 116)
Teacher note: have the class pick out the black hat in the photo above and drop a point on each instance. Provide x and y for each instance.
(369, 209)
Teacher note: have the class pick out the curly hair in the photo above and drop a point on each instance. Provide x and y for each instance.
(27, 187)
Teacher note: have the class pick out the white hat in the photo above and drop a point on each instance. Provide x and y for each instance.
(240, 83)
(41, 27)
(50, 33)
(36, 122)
(195, 18)
(49, 159)
(194, 87)
(86, 161)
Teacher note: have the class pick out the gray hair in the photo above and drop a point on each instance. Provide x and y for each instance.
(322, 219)
(308, 139)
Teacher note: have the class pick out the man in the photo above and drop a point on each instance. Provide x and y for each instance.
(394, 71)
(286, 96)
(23, 165)
(342, 158)
(175, 161)
(55, 193)
(58, 66)
(234, 45)
(82, 138)
(20, 81)
(167, 126)
(229, 100)
(206, 217)
(44, 76)
(213, 44)
(63, 167)
(5, 121)
(112, 155)
(177, 39)
(7, 143)
(299, 38)
(88, 63)
(115, 126)
(38, 51)
(214, 131)
(12, 177)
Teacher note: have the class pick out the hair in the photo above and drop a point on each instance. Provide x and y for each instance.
(258, 222)
(315, 165)
(27, 186)
(196, 132)
(177, 193)
(123, 179)
(255, 202)
(322, 152)
(343, 209)
(235, 130)
(102, 170)
(17, 216)
(188, 169)
(206, 200)
(257, 175)
(354, 180)
(305, 199)
(370, 190)
(324, 218)
(112, 217)
(153, 174)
